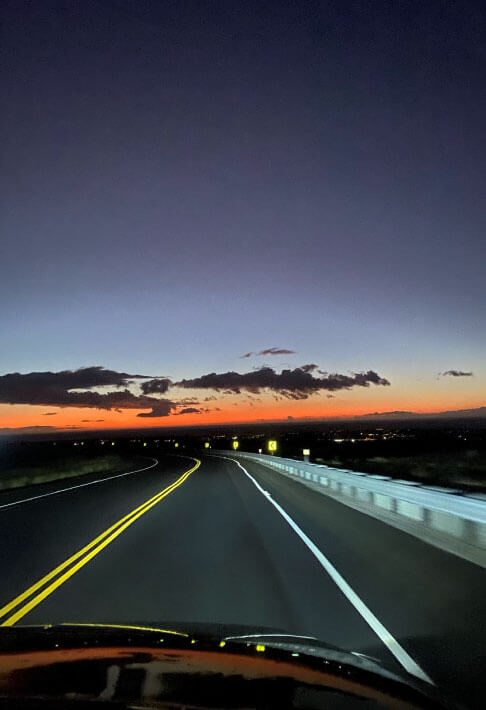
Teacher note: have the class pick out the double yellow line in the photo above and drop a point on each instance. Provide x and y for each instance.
(44, 587)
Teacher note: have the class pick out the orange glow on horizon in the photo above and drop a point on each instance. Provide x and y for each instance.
(346, 405)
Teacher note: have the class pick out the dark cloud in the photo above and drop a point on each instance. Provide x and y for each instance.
(309, 368)
(270, 351)
(86, 421)
(162, 408)
(292, 384)
(210, 399)
(159, 385)
(62, 389)
(456, 373)
(190, 410)
(276, 351)
(50, 414)
(330, 396)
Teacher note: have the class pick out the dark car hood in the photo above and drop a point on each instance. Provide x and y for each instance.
(221, 664)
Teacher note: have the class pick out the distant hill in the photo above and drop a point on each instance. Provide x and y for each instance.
(479, 412)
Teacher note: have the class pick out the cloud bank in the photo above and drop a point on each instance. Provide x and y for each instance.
(293, 384)
(78, 388)
(74, 388)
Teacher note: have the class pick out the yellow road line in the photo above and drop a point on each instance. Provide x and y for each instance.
(86, 554)
(8, 607)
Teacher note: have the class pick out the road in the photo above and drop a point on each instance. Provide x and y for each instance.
(205, 543)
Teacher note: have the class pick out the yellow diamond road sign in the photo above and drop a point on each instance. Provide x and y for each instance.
(272, 445)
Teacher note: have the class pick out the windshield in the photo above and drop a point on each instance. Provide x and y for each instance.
(242, 283)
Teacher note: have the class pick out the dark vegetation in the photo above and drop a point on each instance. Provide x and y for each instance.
(30, 463)
(452, 455)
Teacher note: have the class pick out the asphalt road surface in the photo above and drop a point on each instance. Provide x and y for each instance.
(226, 543)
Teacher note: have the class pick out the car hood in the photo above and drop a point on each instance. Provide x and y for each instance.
(201, 665)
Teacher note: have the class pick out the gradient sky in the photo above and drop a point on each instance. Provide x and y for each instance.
(185, 182)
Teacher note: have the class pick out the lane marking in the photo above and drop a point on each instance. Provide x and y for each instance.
(383, 634)
(86, 554)
(72, 488)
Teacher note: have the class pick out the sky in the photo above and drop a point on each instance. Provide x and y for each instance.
(184, 183)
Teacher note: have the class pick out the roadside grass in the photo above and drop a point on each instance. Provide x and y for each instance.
(68, 467)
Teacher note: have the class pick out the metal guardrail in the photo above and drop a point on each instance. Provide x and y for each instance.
(438, 509)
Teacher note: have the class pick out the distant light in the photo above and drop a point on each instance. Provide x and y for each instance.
(176, 444)
(259, 451)
(82, 443)
(206, 444)
(338, 441)
(260, 648)
(236, 445)
(145, 443)
(295, 655)
(272, 445)
(306, 452)
(222, 644)
(113, 443)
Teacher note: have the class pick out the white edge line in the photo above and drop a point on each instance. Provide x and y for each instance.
(385, 636)
(81, 485)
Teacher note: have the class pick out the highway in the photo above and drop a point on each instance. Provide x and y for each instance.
(205, 539)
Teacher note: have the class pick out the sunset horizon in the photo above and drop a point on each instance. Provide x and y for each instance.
(265, 394)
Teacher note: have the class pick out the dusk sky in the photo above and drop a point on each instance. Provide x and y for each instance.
(185, 183)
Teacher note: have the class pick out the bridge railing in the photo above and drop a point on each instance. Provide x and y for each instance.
(443, 510)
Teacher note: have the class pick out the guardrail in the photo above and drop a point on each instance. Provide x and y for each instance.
(445, 511)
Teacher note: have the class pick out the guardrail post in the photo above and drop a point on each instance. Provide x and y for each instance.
(470, 531)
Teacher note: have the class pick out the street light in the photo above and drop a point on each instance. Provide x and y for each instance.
(206, 444)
